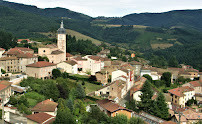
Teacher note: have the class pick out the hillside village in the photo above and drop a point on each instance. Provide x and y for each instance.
(112, 85)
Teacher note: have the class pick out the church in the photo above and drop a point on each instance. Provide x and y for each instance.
(55, 54)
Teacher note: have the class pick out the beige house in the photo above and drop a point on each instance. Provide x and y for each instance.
(10, 64)
(16, 59)
(181, 95)
(112, 109)
(69, 66)
(56, 54)
(5, 91)
(40, 118)
(47, 106)
(40, 69)
(196, 85)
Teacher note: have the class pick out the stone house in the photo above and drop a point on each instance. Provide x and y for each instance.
(40, 118)
(5, 90)
(47, 106)
(40, 69)
(196, 85)
(16, 59)
(112, 109)
(69, 66)
(181, 95)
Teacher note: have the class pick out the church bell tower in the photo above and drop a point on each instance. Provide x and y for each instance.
(62, 38)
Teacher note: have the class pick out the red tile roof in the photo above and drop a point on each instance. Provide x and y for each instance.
(19, 40)
(5, 83)
(41, 118)
(110, 106)
(97, 58)
(180, 90)
(24, 49)
(45, 106)
(195, 83)
(2, 87)
(41, 64)
(20, 52)
(8, 58)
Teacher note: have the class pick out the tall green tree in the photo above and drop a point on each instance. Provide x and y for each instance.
(64, 116)
(149, 78)
(146, 98)
(161, 109)
(56, 73)
(166, 76)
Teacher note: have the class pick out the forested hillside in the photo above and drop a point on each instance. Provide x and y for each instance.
(168, 34)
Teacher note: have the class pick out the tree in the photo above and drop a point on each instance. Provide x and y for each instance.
(173, 62)
(166, 76)
(135, 120)
(56, 73)
(120, 119)
(3, 71)
(149, 78)
(80, 93)
(146, 97)
(132, 104)
(64, 116)
(161, 109)
(65, 75)
(124, 59)
(70, 105)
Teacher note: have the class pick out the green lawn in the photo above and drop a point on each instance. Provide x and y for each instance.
(89, 87)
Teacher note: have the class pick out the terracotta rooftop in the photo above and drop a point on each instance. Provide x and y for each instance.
(192, 116)
(41, 118)
(71, 62)
(19, 40)
(68, 55)
(110, 106)
(20, 52)
(8, 58)
(135, 63)
(2, 87)
(45, 106)
(56, 52)
(24, 49)
(195, 83)
(5, 83)
(41, 64)
(180, 90)
(97, 58)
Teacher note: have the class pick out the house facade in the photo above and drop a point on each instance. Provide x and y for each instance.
(181, 95)
(196, 85)
(5, 91)
(112, 109)
(47, 106)
(41, 69)
(69, 66)
(16, 59)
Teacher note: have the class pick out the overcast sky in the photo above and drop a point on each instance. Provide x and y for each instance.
(111, 8)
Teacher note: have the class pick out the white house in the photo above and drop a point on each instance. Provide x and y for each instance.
(69, 66)
(1, 52)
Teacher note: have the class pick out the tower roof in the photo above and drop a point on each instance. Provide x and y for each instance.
(62, 30)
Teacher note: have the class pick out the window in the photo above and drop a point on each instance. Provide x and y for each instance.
(44, 51)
